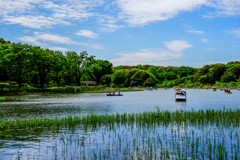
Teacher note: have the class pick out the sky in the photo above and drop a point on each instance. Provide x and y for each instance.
(129, 32)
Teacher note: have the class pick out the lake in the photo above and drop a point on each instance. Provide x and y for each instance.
(29, 106)
(125, 140)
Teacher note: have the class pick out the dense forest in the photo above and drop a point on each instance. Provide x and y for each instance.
(26, 64)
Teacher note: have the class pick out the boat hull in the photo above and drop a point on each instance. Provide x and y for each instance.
(115, 95)
(180, 99)
(228, 92)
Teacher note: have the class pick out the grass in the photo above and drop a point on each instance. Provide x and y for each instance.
(202, 134)
(224, 117)
(13, 89)
(2, 98)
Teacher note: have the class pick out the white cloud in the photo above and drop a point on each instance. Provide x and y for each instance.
(110, 27)
(31, 40)
(34, 21)
(224, 8)
(108, 23)
(204, 40)
(142, 12)
(54, 38)
(235, 32)
(203, 63)
(87, 33)
(58, 49)
(145, 56)
(155, 56)
(44, 13)
(63, 40)
(195, 32)
(177, 45)
(48, 13)
(211, 49)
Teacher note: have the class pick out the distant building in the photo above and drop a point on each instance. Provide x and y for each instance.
(89, 83)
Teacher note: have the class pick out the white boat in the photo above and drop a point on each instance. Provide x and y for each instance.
(180, 95)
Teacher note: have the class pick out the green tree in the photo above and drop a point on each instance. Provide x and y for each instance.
(2, 41)
(139, 78)
(118, 78)
(170, 75)
(17, 61)
(98, 69)
(228, 77)
(79, 64)
(149, 82)
(42, 63)
(235, 70)
(106, 79)
(170, 84)
(58, 66)
(204, 79)
(215, 72)
(5, 49)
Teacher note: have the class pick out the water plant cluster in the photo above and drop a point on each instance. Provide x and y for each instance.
(203, 134)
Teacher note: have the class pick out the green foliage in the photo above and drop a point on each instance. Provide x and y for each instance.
(215, 72)
(98, 69)
(140, 77)
(170, 84)
(118, 78)
(149, 82)
(79, 64)
(170, 75)
(106, 79)
(235, 70)
(228, 77)
(233, 83)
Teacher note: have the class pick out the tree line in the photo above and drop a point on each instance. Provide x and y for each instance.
(24, 63)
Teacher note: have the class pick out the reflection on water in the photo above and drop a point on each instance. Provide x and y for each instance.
(129, 141)
(30, 106)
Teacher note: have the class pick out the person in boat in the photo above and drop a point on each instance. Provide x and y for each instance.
(110, 93)
(119, 93)
(113, 93)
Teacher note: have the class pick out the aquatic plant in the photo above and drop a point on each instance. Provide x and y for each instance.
(211, 134)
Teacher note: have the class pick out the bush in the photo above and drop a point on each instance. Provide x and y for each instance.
(78, 89)
(101, 86)
(233, 83)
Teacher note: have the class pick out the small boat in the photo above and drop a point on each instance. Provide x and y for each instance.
(112, 94)
(214, 89)
(178, 89)
(227, 91)
(180, 95)
(238, 88)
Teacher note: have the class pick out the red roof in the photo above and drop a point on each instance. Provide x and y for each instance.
(89, 82)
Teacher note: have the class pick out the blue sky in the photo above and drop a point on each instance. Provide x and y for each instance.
(129, 32)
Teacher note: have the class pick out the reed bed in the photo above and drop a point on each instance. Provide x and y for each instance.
(203, 134)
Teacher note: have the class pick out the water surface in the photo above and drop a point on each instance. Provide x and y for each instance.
(30, 106)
